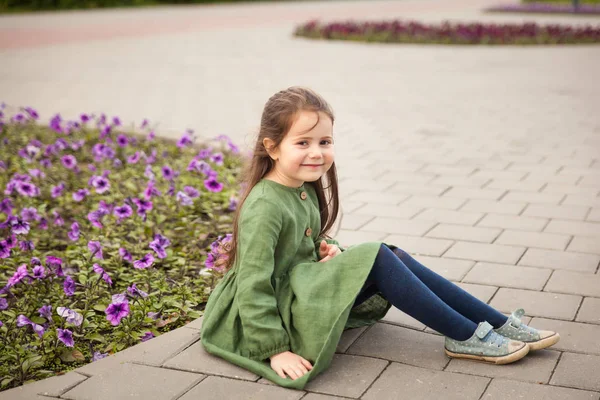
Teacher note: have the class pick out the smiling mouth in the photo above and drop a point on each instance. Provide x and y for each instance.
(312, 165)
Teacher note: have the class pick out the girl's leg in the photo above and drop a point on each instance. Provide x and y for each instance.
(406, 292)
(467, 305)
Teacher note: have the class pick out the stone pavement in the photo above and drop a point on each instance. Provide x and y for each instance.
(482, 162)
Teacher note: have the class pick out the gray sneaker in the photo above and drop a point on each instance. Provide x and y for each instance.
(517, 330)
(486, 345)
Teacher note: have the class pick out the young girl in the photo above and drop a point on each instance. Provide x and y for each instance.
(290, 291)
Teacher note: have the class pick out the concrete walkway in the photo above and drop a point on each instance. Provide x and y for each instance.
(482, 162)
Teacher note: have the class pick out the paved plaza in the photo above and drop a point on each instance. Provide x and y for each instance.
(482, 162)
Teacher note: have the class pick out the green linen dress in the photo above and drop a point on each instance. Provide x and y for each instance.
(277, 296)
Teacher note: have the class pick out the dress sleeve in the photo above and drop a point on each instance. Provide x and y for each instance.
(258, 233)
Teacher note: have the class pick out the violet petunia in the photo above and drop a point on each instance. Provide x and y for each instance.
(3, 303)
(65, 336)
(80, 194)
(69, 161)
(101, 184)
(71, 316)
(147, 336)
(69, 286)
(145, 262)
(125, 254)
(55, 263)
(30, 214)
(39, 272)
(213, 185)
(167, 172)
(117, 311)
(122, 140)
(98, 356)
(96, 249)
(217, 158)
(143, 206)
(191, 191)
(74, 232)
(184, 199)
(57, 191)
(134, 291)
(18, 276)
(46, 312)
(123, 211)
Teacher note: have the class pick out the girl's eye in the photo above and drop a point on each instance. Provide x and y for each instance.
(326, 142)
(303, 143)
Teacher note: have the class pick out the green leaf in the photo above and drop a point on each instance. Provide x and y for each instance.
(38, 320)
(6, 381)
(66, 355)
(100, 307)
(96, 337)
(77, 355)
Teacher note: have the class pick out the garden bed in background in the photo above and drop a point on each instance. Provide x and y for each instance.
(397, 31)
(108, 237)
(547, 8)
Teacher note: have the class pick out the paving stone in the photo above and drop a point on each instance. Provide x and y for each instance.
(539, 304)
(349, 336)
(535, 367)
(378, 197)
(402, 345)
(569, 189)
(195, 324)
(449, 203)
(347, 376)
(505, 175)
(464, 233)
(508, 276)
(574, 283)
(461, 181)
(494, 207)
(318, 396)
(384, 210)
(196, 359)
(578, 370)
(513, 222)
(399, 226)
(350, 238)
(574, 336)
(450, 216)
(152, 352)
(581, 244)
(536, 198)
(350, 206)
(449, 170)
(218, 388)
(560, 260)
(469, 193)
(396, 317)
(420, 245)
(405, 382)
(53, 386)
(485, 252)
(594, 215)
(482, 292)
(132, 380)
(582, 200)
(354, 221)
(513, 390)
(554, 211)
(450, 269)
(513, 185)
(534, 239)
(589, 311)
(575, 228)
(411, 189)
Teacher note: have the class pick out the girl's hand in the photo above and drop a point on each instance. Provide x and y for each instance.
(291, 364)
(328, 251)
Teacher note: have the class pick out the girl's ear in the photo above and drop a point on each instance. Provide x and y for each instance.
(269, 146)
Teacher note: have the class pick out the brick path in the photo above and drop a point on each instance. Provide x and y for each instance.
(482, 162)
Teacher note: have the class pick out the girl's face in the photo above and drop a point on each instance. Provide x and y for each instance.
(303, 155)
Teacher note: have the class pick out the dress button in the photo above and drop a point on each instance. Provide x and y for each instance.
(303, 195)
(308, 232)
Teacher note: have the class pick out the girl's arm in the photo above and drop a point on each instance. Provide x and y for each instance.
(259, 228)
(329, 241)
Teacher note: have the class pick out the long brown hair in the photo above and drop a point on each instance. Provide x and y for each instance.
(277, 118)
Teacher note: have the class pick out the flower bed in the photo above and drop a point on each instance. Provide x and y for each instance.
(547, 8)
(449, 33)
(107, 238)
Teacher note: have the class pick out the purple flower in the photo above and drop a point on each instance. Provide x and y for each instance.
(98, 269)
(4, 249)
(35, 261)
(134, 291)
(210, 261)
(69, 161)
(27, 189)
(167, 172)
(56, 264)
(117, 311)
(11, 241)
(39, 272)
(134, 158)
(3, 303)
(145, 262)
(36, 173)
(58, 221)
(234, 149)
(160, 250)
(23, 321)
(143, 206)
(6, 206)
(122, 140)
(151, 191)
(185, 140)
(43, 224)
(32, 113)
(184, 199)
(96, 249)
(98, 356)
(69, 286)
(233, 203)
(18, 275)
(95, 217)
(46, 312)
(213, 185)
(217, 158)
(65, 336)
(80, 194)
(26, 245)
(71, 316)
(148, 173)
(153, 315)
(151, 136)
(123, 211)
(116, 121)
(125, 254)
(56, 191)
(144, 124)
(106, 278)
(147, 336)
(204, 153)
(74, 232)
(100, 183)
(30, 214)
(191, 191)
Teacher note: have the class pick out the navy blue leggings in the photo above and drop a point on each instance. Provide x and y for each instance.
(426, 296)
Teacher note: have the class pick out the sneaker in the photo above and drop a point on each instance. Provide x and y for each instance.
(486, 345)
(517, 330)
